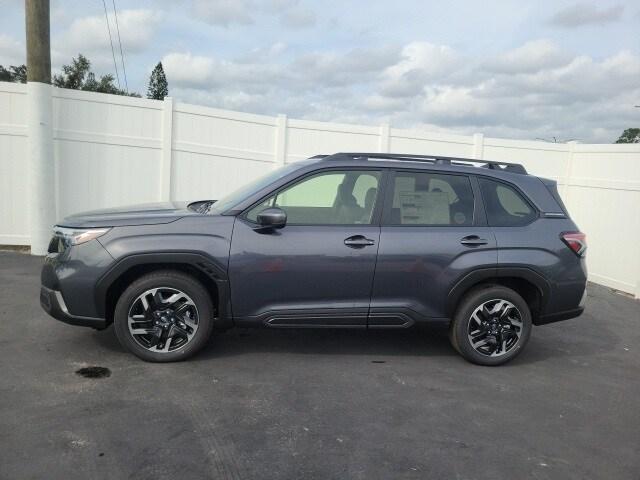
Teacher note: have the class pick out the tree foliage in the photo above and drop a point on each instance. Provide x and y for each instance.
(78, 76)
(14, 73)
(630, 135)
(158, 86)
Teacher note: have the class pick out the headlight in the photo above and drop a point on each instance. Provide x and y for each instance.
(77, 236)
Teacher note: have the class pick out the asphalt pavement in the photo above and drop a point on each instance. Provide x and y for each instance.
(324, 404)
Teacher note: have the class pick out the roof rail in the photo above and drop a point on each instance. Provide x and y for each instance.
(433, 159)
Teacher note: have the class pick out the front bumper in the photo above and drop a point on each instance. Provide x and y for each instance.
(68, 280)
(53, 303)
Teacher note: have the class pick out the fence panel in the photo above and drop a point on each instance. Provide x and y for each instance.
(111, 151)
(14, 223)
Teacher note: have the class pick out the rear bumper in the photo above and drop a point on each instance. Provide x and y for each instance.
(53, 303)
(556, 317)
(564, 315)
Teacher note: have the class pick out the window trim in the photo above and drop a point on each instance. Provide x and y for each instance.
(388, 204)
(513, 186)
(377, 208)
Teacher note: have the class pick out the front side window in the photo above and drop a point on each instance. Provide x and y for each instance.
(328, 198)
(424, 198)
(505, 207)
(242, 193)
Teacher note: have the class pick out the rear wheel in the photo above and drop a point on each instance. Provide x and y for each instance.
(164, 316)
(491, 325)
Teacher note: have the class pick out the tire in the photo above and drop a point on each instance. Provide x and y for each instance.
(173, 307)
(498, 319)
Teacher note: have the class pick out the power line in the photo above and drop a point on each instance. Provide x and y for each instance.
(113, 54)
(124, 71)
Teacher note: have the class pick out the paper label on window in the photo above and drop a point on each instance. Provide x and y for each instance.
(424, 208)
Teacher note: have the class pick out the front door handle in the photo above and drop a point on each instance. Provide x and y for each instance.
(358, 241)
(473, 241)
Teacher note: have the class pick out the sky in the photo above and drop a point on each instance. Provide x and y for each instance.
(547, 70)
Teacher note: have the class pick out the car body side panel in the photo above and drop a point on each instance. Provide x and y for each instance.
(74, 273)
(538, 246)
(88, 272)
(407, 277)
(418, 266)
(208, 234)
(304, 273)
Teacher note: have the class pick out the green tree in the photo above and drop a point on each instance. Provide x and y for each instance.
(158, 86)
(78, 76)
(630, 135)
(14, 73)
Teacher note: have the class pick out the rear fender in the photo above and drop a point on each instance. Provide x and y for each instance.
(482, 275)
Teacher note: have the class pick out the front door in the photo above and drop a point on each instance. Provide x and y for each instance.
(317, 270)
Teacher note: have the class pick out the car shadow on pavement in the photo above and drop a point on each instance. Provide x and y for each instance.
(547, 342)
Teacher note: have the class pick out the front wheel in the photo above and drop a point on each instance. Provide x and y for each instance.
(491, 325)
(164, 316)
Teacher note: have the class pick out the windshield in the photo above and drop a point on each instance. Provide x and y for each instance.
(229, 201)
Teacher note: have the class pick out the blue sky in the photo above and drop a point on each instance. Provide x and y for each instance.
(514, 69)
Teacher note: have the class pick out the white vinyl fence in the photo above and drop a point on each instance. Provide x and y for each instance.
(112, 150)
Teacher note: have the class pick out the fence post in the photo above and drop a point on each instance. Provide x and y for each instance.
(42, 196)
(384, 142)
(478, 146)
(280, 152)
(166, 172)
(568, 171)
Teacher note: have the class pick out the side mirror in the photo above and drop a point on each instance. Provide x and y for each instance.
(272, 218)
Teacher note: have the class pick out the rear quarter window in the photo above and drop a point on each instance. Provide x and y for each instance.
(504, 205)
(553, 190)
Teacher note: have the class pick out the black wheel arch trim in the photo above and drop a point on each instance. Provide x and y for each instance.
(210, 267)
(478, 276)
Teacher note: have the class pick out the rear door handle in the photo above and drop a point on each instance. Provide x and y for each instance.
(358, 241)
(473, 241)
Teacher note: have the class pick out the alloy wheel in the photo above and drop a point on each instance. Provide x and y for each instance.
(163, 319)
(495, 328)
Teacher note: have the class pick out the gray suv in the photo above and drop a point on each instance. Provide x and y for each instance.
(350, 240)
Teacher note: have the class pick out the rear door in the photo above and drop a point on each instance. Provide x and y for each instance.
(433, 232)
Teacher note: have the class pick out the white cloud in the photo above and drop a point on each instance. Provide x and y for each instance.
(530, 58)
(89, 35)
(187, 70)
(12, 52)
(292, 14)
(262, 53)
(580, 14)
(224, 12)
(533, 91)
(295, 15)
(356, 66)
(420, 63)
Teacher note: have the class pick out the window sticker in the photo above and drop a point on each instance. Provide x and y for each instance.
(427, 208)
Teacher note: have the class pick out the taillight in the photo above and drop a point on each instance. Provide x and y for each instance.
(576, 241)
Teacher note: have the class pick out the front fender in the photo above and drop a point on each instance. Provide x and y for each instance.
(201, 242)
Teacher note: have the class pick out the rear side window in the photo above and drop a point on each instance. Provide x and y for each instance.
(424, 198)
(505, 207)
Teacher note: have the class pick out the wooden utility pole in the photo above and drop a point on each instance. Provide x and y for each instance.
(42, 201)
(38, 37)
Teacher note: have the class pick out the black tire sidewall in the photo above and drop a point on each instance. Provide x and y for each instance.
(170, 279)
(470, 302)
